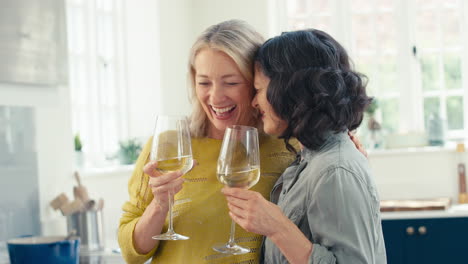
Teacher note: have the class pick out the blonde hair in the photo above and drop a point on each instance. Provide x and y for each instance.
(235, 38)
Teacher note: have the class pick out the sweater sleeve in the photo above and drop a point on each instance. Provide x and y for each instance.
(140, 197)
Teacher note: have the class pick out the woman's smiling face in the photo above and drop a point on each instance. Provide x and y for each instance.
(272, 124)
(223, 91)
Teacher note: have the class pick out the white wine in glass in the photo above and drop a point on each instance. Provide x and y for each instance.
(176, 164)
(240, 179)
(238, 166)
(172, 150)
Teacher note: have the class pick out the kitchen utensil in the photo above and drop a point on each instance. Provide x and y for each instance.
(88, 226)
(60, 200)
(44, 250)
(461, 169)
(80, 191)
(90, 205)
(100, 205)
(73, 207)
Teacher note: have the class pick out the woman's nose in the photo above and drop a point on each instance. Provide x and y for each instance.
(254, 102)
(217, 93)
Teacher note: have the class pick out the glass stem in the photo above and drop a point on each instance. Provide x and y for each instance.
(171, 204)
(231, 235)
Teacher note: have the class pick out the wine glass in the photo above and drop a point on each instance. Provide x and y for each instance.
(172, 150)
(238, 166)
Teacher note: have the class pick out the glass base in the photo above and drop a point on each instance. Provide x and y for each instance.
(170, 235)
(232, 249)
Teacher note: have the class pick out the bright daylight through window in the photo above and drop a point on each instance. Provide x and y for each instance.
(97, 78)
(414, 54)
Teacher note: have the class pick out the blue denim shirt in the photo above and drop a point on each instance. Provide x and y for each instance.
(331, 196)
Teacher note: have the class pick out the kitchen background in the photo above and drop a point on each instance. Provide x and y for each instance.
(127, 62)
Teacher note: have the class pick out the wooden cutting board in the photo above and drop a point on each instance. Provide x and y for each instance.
(415, 205)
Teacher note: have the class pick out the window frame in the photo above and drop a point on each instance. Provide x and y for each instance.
(94, 108)
(411, 108)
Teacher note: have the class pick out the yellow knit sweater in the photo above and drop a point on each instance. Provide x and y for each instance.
(200, 210)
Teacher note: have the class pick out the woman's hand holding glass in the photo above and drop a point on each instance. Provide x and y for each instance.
(163, 184)
(254, 213)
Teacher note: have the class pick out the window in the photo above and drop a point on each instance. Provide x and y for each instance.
(97, 76)
(412, 51)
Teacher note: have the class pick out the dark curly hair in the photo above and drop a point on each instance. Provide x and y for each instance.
(312, 86)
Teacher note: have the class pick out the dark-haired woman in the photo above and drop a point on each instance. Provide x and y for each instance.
(325, 206)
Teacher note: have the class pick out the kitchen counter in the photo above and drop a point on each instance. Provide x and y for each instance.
(4, 253)
(458, 210)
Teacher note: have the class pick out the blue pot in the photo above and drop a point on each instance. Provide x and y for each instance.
(53, 250)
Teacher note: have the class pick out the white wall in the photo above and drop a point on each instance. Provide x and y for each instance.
(174, 19)
(205, 13)
(55, 157)
(27, 95)
(53, 138)
(142, 53)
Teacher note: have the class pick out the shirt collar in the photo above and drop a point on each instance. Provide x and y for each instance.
(331, 138)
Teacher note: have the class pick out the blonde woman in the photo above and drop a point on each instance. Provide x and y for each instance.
(221, 75)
